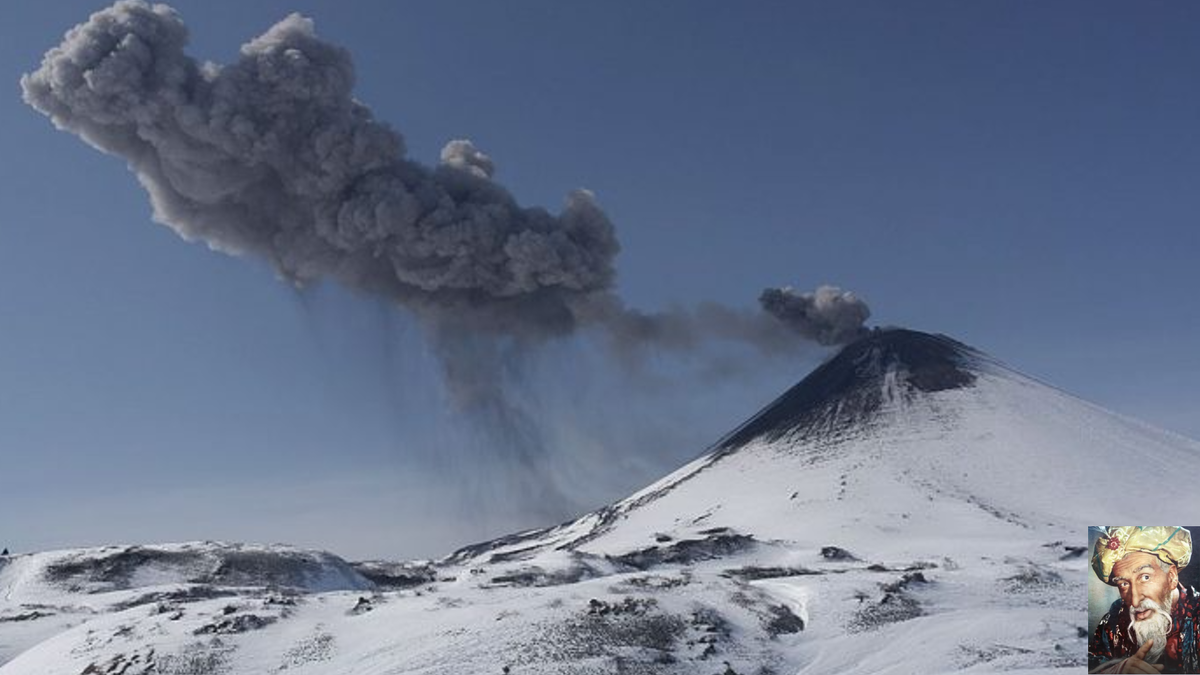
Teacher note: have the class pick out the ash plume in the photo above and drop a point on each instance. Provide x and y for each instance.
(830, 316)
(271, 156)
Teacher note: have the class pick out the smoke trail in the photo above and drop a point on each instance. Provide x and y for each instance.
(271, 156)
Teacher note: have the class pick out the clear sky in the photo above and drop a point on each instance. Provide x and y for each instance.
(1022, 176)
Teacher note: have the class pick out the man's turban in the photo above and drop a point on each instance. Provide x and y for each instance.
(1169, 543)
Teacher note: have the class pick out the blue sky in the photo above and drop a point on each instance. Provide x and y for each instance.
(1021, 176)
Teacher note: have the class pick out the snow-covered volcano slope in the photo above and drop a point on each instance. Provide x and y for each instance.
(912, 506)
(901, 432)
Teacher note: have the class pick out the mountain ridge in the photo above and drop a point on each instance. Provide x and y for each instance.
(913, 505)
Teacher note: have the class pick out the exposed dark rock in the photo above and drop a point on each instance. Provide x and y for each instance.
(909, 579)
(113, 571)
(539, 577)
(395, 575)
(876, 567)
(897, 604)
(893, 608)
(123, 664)
(687, 551)
(475, 550)
(27, 616)
(658, 582)
(782, 620)
(317, 647)
(266, 568)
(281, 600)
(754, 573)
(210, 657)
(838, 554)
(181, 595)
(528, 577)
(108, 570)
(239, 623)
(710, 620)
(638, 638)
(629, 605)
(713, 629)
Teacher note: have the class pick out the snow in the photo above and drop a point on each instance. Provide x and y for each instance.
(957, 506)
(47, 593)
(791, 591)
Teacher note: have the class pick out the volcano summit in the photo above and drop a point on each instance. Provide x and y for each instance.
(853, 387)
(912, 506)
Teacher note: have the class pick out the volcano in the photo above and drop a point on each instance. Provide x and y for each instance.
(850, 389)
(912, 506)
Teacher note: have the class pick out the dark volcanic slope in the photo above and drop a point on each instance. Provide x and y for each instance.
(848, 388)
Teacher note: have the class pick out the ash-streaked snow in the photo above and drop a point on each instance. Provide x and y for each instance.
(905, 509)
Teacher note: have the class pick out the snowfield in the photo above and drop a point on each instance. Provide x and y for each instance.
(912, 506)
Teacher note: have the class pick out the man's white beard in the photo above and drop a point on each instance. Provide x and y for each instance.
(1155, 627)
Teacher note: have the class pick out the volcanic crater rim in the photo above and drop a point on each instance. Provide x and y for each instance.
(849, 387)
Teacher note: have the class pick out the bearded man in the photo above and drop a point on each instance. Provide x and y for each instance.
(1155, 626)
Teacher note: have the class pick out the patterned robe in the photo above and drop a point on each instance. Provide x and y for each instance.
(1111, 640)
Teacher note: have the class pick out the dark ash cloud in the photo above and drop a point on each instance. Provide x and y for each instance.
(271, 156)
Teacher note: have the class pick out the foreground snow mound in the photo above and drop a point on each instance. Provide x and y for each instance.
(43, 593)
(913, 506)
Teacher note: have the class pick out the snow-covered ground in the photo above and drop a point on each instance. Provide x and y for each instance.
(44, 594)
(912, 507)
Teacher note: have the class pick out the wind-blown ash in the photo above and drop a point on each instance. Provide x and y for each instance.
(271, 156)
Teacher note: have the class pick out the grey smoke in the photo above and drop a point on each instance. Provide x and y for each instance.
(271, 156)
(829, 316)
